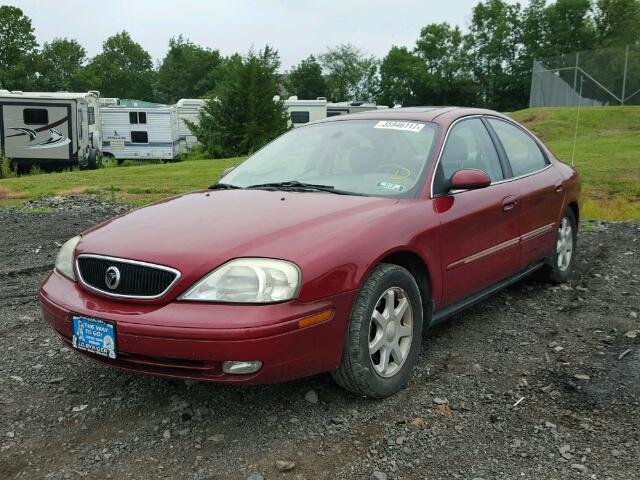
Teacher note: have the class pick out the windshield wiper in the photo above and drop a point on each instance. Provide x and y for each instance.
(223, 186)
(295, 186)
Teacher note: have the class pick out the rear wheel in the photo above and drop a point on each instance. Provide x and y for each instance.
(384, 334)
(560, 264)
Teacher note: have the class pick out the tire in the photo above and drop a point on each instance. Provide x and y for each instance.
(363, 373)
(560, 264)
(92, 159)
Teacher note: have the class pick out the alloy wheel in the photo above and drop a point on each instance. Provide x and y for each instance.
(390, 332)
(564, 245)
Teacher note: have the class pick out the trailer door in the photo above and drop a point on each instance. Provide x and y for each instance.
(36, 131)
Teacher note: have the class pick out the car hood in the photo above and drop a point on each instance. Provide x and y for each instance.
(199, 231)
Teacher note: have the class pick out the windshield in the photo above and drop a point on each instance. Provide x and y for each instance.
(363, 157)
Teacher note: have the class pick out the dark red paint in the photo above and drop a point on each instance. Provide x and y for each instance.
(334, 239)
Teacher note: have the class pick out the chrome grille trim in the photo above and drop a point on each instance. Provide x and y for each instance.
(131, 262)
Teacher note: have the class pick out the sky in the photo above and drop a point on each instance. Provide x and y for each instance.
(296, 28)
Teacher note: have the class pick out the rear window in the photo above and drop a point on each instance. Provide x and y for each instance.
(35, 116)
(139, 137)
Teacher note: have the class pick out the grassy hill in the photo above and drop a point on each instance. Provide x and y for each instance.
(607, 155)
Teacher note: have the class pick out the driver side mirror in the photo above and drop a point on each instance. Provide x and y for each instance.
(469, 179)
(227, 171)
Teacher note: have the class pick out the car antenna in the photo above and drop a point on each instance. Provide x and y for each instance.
(575, 133)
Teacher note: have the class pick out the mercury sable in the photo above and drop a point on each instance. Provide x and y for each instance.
(329, 250)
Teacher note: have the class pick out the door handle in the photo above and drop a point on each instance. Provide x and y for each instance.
(558, 187)
(509, 203)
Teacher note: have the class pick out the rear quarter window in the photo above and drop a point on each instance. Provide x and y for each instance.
(524, 154)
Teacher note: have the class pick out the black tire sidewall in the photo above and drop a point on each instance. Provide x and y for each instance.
(379, 386)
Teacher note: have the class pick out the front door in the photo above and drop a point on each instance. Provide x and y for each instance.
(479, 232)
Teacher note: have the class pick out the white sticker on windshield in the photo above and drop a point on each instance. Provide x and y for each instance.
(400, 125)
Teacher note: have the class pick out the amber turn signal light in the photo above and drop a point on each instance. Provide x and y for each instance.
(315, 318)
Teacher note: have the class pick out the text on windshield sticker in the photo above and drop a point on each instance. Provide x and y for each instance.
(399, 125)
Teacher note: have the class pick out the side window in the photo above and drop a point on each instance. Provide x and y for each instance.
(139, 137)
(137, 117)
(299, 117)
(523, 152)
(469, 145)
(91, 114)
(35, 116)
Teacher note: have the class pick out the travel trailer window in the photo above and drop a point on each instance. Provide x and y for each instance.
(137, 117)
(91, 114)
(299, 117)
(35, 116)
(139, 137)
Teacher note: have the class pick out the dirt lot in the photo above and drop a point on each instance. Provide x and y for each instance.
(568, 356)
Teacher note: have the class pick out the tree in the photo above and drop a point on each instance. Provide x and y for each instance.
(241, 115)
(494, 45)
(59, 65)
(123, 69)
(569, 26)
(17, 47)
(443, 50)
(351, 74)
(403, 79)
(618, 22)
(187, 71)
(305, 80)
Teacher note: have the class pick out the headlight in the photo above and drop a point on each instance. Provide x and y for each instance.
(64, 260)
(248, 280)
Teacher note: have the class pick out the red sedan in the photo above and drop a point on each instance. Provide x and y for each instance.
(329, 250)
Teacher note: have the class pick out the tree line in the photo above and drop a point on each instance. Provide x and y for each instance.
(489, 65)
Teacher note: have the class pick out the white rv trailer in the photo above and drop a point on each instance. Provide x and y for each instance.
(188, 109)
(50, 129)
(305, 111)
(136, 130)
(343, 108)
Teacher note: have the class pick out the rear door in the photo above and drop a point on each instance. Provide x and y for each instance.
(479, 228)
(540, 190)
(36, 131)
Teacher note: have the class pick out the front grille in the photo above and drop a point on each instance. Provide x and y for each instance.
(136, 279)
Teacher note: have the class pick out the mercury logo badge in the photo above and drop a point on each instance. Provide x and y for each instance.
(112, 277)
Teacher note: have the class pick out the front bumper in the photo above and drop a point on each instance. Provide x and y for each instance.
(190, 340)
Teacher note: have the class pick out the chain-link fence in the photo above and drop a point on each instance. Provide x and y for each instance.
(598, 77)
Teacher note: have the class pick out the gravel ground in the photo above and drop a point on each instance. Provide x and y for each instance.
(539, 382)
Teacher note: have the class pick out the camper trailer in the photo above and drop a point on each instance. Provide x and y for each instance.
(188, 109)
(343, 108)
(51, 130)
(305, 111)
(132, 129)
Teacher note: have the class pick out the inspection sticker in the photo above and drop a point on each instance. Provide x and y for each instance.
(391, 186)
(399, 125)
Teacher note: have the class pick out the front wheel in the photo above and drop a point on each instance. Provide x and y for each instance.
(384, 334)
(560, 264)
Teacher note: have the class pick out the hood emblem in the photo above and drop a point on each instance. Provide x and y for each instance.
(112, 277)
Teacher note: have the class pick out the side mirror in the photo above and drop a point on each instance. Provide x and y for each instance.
(227, 171)
(469, 179)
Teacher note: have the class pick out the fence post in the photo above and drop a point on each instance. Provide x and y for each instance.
(575, 73)
(624, 76)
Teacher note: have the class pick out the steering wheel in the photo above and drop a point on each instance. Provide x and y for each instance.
(397, 168)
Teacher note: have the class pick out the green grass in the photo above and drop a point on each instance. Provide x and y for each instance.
(607, 154)
(136, 185)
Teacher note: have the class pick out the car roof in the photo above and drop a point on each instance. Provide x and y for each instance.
(442, 115)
